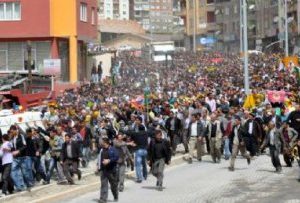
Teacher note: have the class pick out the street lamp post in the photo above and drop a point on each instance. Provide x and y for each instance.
(194, 31)
(286, 35)
(29, 50)
(241, 26)
(245, 39)
(151, 42)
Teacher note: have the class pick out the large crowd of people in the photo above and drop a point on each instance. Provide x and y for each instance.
(148, 109)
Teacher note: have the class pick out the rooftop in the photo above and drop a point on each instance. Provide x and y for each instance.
(120, 26)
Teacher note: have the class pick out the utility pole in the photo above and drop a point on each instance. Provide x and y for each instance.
(29, 49)
(286, 27)
(241, 27)
(245, 39)
(151, 41)
(194, 31)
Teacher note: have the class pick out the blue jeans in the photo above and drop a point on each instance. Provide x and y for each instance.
(227, 148)
(38, 168)
(140, 164)
(55, 164)
(86, 156)
(21, 172)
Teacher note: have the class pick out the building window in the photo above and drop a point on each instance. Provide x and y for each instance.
(211, 17)
(83, 12)
(226, 11)
(235, 9)
(93, 16)
(210, 1)
(3, 60)
(10, 11)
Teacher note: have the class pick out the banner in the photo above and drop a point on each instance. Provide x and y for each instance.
(276, 96)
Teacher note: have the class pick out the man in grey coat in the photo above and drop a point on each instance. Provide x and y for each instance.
(274, 141)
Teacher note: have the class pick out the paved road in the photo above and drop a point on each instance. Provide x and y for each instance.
(208, 182)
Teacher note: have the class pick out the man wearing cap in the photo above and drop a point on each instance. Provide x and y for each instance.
(237, 140)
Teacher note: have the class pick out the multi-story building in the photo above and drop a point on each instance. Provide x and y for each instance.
(265, 24)
(142, 13)
(161, 16)
(56, 29)
(156, 16)
(116, 9)
(200, 20)
(228, 18)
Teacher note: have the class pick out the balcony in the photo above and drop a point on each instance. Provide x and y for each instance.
(212, 27)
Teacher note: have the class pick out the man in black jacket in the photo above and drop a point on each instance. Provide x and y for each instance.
(34, 151)
(21, 162)
(159, 154)
(107, 165)
(70, 155)
(237, 140)
(294, 119)
(173, 125)
(252, 132)
(140, 142)
(87, 137)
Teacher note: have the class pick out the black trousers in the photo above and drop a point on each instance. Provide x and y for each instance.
(174, 139)
(251, 145)
(112, 178)
(66, 167)
(275, 157)
(7, 182)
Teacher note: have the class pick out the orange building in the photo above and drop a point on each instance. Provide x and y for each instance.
(57, 29)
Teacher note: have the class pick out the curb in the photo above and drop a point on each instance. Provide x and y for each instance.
(177, 160)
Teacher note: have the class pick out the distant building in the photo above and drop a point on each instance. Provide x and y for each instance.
(201, 20)
(57, 29)
(156, 16)
(116, 9)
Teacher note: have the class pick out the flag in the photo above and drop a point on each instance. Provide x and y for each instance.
(276, 96)
(249, 102)
(192, 69)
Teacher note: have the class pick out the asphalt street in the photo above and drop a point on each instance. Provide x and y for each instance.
(208, 182)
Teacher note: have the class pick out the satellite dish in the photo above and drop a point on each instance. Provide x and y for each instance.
(251, 7)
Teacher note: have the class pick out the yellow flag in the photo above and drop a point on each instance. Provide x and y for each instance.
(249, 102)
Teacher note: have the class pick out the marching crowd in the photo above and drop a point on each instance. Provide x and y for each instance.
(197, 100)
